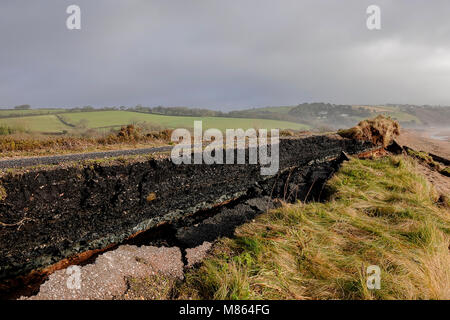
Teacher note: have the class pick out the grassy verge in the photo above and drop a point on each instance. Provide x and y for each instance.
(381, 212)
(427, 159)
(126, 138)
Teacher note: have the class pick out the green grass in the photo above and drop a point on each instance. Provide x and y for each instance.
(391, 111)
(381, 212)
(420, 155)
(403, 116)
(44, 123)
(115, 119)
(103, 119)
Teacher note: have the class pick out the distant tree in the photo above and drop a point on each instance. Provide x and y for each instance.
(87, 108)
(23, 107)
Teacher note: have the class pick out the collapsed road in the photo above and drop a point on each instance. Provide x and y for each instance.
(59, 213)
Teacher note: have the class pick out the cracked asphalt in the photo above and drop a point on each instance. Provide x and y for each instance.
(106, 278)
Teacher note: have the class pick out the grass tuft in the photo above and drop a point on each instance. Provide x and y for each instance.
(379, 130)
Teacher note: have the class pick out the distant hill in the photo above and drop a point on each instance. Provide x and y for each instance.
(306, 115)
(339, 116)
(105, 121)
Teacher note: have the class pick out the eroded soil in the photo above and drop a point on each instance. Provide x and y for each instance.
(431, 140)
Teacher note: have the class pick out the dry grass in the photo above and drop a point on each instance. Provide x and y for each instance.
(381, 212)
(379, 130)
(127, 137)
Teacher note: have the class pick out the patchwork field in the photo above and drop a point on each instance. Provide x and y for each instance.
(115, 119)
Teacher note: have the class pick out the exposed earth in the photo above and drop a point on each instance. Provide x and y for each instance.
(433, 140)
(440, 182)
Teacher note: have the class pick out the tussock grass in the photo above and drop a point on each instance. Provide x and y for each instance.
(380, 130)
(381, 212)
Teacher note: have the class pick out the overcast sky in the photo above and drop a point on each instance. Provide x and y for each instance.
(223, 54)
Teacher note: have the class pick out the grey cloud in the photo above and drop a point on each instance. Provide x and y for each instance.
(223, 54)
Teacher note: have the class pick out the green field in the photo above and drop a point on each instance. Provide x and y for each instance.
(104, 119)
(403, 116)
(45, 123)
(114, 119)
(394, 112)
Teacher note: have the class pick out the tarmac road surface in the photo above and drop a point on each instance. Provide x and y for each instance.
(32, 161)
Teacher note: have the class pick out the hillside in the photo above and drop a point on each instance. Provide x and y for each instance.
(108, 119)
(58, 122)
(323, 116)
(339, 116)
